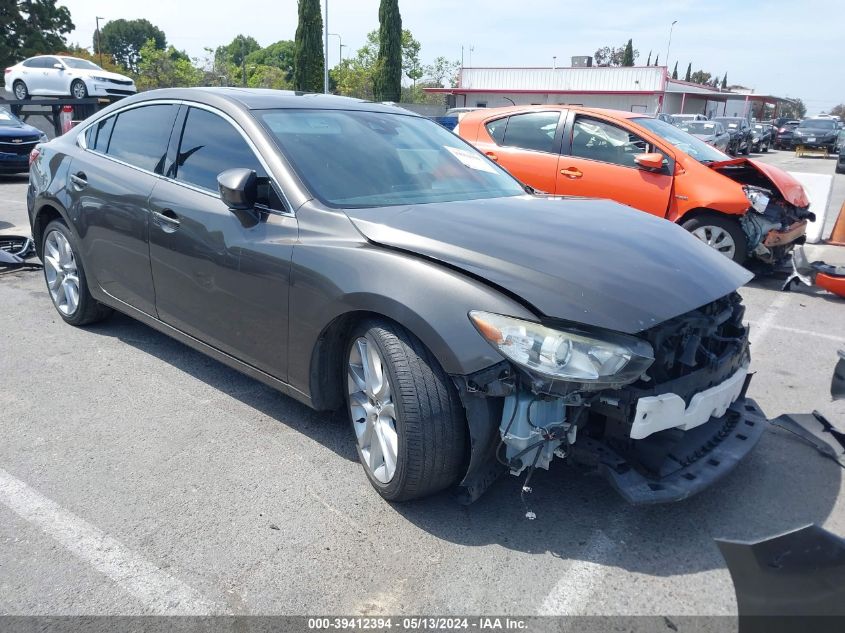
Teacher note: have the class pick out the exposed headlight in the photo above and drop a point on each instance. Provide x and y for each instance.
(614, 359)
(106, 79)
(759, 200)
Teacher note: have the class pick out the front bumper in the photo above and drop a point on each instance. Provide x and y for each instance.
(14, 164)
(816, 144)
(791, 234)
(103, 89)
(705, 455)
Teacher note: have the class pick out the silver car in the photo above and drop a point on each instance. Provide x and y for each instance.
(57, 76)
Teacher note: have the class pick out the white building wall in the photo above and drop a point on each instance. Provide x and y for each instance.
(647, 103)
(634, 78)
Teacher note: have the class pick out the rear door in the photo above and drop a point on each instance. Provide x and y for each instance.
(220, 277)
(597, 161)
(526, 144)
(110, 185)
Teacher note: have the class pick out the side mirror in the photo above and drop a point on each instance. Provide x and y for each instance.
(238, 188)
(652, 162)
(58, 66)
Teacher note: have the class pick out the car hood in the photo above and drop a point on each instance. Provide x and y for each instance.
(789, 188)
(592, 262)
(102, 73)
(18, 130)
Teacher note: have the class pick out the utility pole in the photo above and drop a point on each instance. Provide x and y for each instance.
(339, 47)
(326, 46)
(243, 59)
(99, 47)
(669, 45)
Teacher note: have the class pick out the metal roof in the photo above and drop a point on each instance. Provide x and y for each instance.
(630, 79)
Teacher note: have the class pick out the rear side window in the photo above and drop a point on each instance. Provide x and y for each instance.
(211, 145)
(35, 62)
(140, 136)
(496, 129)
(535, 130)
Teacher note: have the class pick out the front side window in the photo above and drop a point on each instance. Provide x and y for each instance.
(687, 143)
(211, 145)
(140, 136)
(605, 142)
(355, 159)
(49, 62)
(534, 130)
(81, 64)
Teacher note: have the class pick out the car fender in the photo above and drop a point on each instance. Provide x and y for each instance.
(699, 187)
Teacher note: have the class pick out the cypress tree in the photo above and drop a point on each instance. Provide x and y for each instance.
(308, 48)
(675, 71)
(657, 60)
(628, 55)
(689, 73)
(387, 78)
(648, 63)
(725, 82)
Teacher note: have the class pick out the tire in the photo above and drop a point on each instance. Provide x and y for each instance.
(765, 149)
(708, 226)
(59, 269)
(747, 149)
(20, 90)
(428, 430)
(78, 89)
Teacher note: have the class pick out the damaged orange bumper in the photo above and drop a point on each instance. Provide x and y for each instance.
(787, 236)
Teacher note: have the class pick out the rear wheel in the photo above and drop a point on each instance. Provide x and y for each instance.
(721, 233)
(20, 90)
(65, 278)
(406, 414)
(78, 89)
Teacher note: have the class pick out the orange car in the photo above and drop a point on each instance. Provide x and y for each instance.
(738, 206)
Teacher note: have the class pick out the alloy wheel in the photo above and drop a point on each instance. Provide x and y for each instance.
(20, 91)
(372, 408)
(61, 273)
(79, 90)
(718, 238)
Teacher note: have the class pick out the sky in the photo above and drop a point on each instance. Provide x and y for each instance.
(787, 49)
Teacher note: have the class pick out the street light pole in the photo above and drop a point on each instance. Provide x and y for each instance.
(326, 47)
(99, 47)
(669, 45)
(339, 45)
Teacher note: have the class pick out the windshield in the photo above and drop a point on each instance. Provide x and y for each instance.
(82, 64)
(7, 119)
(699, 127)
(356, 159)
(818, 124)
(687, 143)
(731, 123)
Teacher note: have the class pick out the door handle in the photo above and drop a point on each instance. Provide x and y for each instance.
(167, 220)
(492, 156)
(79, 179)
(571, 172)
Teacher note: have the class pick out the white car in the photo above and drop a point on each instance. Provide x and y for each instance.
(51, 75)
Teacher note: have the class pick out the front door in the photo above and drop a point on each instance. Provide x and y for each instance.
(220, 277)
(597, 161)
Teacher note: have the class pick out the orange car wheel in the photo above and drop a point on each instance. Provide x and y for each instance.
(720, 232)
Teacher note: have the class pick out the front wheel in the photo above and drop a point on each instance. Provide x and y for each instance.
(721, 233)
(78, 89)
(406, 414)
(747, 149)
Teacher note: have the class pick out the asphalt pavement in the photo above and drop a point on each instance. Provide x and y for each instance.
(140, 477)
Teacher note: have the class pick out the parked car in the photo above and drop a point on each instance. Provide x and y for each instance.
(665, 117)
(467, 327)
(17, 139)
(783, 137)
(711, 132)
(840, 159)
(761, 137)
(679, 119)
(56, 76)
(840, 139)
(817, 133)
(740, 132)
(740, 207)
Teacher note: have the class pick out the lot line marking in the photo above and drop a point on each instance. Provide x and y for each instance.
(160, 592)
(582, 579)
(765, 322)
(795, 330)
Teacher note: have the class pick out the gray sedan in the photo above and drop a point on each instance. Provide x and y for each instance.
(356, 256)
(711, 132)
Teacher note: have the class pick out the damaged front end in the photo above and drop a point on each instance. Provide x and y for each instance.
(661, 415)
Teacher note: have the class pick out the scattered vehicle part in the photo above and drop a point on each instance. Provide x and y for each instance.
(837, 383)
(14, 251)
(799, 424)
(461, 320)
(825, 276)
(790, 582)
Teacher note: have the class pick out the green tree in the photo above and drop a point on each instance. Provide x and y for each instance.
(614, 56)
(236, 51)
(700, 77)
(675, 71)
(308, 61)
(124, 39)
(725, 82)
(387, 77)
(838, 110)
(628, 55)
(648, 61)
(657, 60)
(794, 109)
(31, 27)
(411, 65)
(165, 68)
(277, 55)
(688, 76)
(442, 73)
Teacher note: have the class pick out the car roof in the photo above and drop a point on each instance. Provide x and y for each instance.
(266, 99)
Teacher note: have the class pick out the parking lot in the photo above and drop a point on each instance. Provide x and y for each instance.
(138, 476)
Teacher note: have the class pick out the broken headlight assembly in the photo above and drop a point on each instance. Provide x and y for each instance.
(759, 198)
(570, 355)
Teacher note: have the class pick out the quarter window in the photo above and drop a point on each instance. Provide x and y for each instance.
(97, 136)
(497, 130)
(605, 142)
(535, 130)
(32, 63)
(140, 136)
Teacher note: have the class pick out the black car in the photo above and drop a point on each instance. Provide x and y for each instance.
(784, 134)
(761, 137)
(357, 256)
(818, 133)
(840, 159)
(740, 132)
